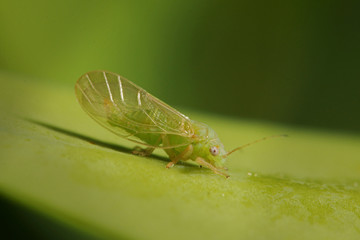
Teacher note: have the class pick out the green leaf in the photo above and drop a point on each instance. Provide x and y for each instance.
(58, 162)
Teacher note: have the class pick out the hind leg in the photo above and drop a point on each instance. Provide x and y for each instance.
(144, 152)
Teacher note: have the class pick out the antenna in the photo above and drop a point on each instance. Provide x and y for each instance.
(251, 143)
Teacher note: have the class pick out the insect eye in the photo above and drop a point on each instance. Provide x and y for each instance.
(214, 151)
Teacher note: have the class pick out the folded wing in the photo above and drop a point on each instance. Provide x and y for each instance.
(129, 111)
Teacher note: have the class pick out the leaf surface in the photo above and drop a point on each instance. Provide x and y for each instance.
(57, 161)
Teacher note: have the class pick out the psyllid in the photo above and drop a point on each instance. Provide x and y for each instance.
(130, 112)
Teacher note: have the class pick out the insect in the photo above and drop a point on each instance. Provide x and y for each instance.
(130, 112)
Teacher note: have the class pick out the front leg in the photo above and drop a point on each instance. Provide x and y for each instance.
(202, 162)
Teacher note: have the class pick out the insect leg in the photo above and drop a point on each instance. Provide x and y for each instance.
(147, 151)
(165, 142)
(183, 155)
(223, 168)
(143, 152)
(202, 162)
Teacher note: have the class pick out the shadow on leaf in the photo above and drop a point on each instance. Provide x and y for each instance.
(100, 143)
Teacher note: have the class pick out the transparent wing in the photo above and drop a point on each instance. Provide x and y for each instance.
(130, 112)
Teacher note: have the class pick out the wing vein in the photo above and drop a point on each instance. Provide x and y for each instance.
(108, 87)
(92, 85)
(138, 98)
(151, 119)
(121, 89)
(87, 98)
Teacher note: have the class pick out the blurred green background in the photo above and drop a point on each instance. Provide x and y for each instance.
(294, 62)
